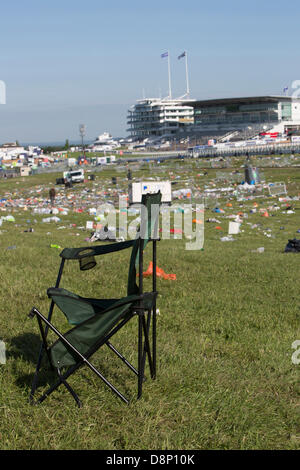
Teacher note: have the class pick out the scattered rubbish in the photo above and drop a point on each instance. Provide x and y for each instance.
(13, 247)
(41, 210)
(261, 249)
(293, 246)
(234, 228)
(51, 219)
(8, 218)
(55, 246)
(223, 193)
(276, 189)
(217, 210)
(89, 225)
(227, 239)
(265, 214)
(105, 234)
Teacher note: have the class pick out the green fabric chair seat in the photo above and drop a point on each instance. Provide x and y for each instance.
(76, 308)
(86, 335)
(93, 317)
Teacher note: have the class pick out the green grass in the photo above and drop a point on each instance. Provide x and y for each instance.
(226, 325)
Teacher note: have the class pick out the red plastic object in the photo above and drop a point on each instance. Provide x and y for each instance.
(159, 272)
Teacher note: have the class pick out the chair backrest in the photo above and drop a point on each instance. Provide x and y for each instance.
(148, 229)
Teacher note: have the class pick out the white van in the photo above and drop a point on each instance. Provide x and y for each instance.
(76, 176)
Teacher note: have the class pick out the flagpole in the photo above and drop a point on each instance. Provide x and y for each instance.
(169, 72)
(187, 77)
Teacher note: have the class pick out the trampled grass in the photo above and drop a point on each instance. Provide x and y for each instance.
(225, 331)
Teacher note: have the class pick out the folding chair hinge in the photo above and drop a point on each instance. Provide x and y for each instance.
(33, 312)
(139, 310)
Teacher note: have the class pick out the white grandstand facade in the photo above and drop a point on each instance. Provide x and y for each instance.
(227, 118)
(248, 115)
(159, 118)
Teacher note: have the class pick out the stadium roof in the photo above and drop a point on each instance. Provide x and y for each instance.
(243, 100)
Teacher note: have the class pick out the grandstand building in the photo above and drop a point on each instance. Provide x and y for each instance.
(247, 116)
(223, 119)
(154, 118)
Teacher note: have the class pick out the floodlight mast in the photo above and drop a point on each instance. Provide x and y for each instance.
(82, 129)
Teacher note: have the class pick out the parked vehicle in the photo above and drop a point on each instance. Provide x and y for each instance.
(76, 176)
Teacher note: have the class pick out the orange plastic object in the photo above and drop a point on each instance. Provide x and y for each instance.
(159, 272)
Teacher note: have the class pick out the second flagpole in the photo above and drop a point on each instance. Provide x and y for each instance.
(169, 71)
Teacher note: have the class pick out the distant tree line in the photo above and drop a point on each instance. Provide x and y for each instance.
(56, 148)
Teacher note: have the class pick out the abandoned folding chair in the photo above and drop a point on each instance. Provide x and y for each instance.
(94, 320)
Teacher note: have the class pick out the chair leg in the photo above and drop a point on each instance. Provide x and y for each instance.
(35, 377)
(154, 341)
(154, 308)
(147, 350)
(44, 347)
(44, 343)
(143, 349)
(60, 381)
(131, 367)
(140, 355)
(70, 389)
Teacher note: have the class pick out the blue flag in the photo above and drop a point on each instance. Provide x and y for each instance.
(165, 54)
(181, 55)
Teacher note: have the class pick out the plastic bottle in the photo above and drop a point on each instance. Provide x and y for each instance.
(2, 353)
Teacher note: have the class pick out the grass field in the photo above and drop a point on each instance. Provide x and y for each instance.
(225, 378)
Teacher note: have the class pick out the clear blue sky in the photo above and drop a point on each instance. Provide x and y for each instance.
(69, 62)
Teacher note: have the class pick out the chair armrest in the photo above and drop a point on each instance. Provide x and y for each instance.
(131, 299)
(83, 252)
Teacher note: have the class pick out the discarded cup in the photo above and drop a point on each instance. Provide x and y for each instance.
(227, 239)
(261, 249)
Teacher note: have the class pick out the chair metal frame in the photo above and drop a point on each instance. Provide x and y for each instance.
(145, 349)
